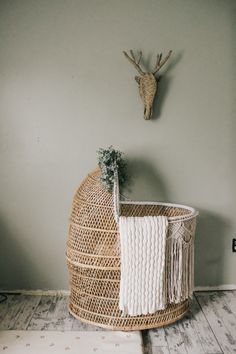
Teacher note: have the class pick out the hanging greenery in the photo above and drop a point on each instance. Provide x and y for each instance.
(109, 161)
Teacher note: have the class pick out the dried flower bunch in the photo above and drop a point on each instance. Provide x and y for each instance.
(110, 161)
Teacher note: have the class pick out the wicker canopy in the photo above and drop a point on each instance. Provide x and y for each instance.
(93, 258)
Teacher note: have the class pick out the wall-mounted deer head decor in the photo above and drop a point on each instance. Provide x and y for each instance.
(147, 81)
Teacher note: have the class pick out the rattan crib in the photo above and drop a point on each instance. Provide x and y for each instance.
(94, 262)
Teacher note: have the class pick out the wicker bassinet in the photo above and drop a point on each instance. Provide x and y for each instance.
(94, 262)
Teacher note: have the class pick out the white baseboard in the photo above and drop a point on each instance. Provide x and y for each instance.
(67, 292)
(216, 287)
(37, 292)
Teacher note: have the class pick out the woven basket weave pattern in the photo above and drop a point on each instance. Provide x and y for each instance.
(93, 258)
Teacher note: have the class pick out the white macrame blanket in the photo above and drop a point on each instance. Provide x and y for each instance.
(143, 244)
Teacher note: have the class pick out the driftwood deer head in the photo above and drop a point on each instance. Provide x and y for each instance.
(147, 81)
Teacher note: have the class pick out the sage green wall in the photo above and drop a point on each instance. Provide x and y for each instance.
(66, 90)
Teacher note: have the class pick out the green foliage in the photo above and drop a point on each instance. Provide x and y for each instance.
(109, 161)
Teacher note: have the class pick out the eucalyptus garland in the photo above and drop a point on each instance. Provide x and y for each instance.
(110, 161)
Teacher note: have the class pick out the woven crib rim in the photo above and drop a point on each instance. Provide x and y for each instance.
(117, 202)
(194, 212)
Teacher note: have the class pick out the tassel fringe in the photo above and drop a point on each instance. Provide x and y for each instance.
(179, 277)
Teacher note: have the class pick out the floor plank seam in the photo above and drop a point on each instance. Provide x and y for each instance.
(209, 324)
(36, 307)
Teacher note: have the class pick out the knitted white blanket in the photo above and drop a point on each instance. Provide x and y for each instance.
(142, 285)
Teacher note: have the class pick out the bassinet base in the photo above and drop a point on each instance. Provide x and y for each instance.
(138, 323)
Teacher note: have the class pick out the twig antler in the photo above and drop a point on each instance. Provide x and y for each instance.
(147, 81)
(134, 61)
(160, 63)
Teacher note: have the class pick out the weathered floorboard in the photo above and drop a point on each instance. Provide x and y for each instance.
(52, 320)
(191, 340)
(230, 299)
(208, 328)
(16, 304)
(202, 329)
(219, 317)
(158, 337)
(191, 335)
(40, 315)
(26, 313)
(4, 307)
(59, 319)
(160, 350)
(56, 313)
(175, 339)
(82, 326)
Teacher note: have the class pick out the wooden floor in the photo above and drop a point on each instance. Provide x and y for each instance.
(209, 327)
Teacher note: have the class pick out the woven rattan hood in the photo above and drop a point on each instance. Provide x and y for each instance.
(92, 191)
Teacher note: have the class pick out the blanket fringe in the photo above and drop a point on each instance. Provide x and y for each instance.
(179, 276)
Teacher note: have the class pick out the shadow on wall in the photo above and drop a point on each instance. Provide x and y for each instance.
(209, 249)
(16, 265)
(146, 182)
